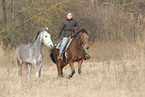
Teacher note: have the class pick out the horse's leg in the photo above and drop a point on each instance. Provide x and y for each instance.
(20, 72)
(39, 69)
(29, 70)
(71, 64)
(39, 65)
(79, 66)
(19, 68)
(35, 68)
(59, 68)
(62, 70)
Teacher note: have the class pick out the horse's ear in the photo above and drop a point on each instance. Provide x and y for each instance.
(85, 31)
(46, 28)
(43, 29)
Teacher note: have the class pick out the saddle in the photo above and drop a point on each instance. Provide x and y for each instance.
(66, 47)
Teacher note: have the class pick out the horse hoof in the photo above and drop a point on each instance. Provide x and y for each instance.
(79, 71)
(37, 75)
(70, 76)
(59, 77)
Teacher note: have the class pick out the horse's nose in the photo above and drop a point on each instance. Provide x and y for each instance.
(51, 45)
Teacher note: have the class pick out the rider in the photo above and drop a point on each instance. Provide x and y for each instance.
(67, 27)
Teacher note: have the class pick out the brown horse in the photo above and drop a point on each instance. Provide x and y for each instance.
(75, 53)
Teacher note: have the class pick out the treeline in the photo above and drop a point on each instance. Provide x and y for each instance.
(105, 19)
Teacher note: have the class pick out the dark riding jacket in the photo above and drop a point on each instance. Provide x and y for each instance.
(67, 26)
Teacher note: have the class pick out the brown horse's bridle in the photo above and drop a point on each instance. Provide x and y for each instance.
(83, 40)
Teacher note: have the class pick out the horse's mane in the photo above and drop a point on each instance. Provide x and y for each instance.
(81, 30)
(38, 32)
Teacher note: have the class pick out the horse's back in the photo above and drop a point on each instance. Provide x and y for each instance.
(23, 51)
(23, 46)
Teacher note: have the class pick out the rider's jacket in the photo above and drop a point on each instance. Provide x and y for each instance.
(67, 26)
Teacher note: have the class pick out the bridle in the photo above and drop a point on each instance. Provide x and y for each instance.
(48, 43)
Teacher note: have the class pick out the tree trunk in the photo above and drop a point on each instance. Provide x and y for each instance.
(94, 3)
(6, 40)
(4, 13)
(12, 23)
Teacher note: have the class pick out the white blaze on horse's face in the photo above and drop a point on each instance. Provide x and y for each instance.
(46, 37)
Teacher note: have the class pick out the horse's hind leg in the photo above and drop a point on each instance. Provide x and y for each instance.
(20, 72)
(29, 70)
(71, 64)
(79, 66)
(20, 69)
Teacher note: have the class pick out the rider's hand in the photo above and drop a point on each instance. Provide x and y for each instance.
(75, 28)
(70, 37)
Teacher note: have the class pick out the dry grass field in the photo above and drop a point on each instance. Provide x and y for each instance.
(116, 69)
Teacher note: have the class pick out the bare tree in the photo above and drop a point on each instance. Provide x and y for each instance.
(94, 3)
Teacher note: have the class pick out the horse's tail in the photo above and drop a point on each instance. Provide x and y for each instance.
(52, 55)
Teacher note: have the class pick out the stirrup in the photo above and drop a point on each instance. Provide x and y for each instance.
(60, 58)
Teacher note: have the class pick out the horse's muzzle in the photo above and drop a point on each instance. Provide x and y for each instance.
(51, 45)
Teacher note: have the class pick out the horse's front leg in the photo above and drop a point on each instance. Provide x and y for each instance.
(39, 65)
(71, 64)
(29, 70)
(39, 70)
(35, 68)
(59, 68)
(79, 66)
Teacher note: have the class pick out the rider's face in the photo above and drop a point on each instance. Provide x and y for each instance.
(69, 16)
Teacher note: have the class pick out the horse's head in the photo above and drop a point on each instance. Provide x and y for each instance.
(46, 38)
(85, 38)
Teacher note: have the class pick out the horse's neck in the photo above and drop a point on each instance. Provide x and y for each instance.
(38, 43)
(77, 42)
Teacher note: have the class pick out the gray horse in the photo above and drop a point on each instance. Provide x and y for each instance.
(31, 54)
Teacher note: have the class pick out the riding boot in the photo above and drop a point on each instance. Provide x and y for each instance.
(86, 56)
(60, 57)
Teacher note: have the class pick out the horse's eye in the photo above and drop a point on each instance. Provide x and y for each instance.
(45, 36)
